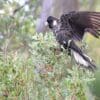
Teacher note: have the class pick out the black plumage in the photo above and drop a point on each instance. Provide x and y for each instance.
(71, 27)
(81, 22)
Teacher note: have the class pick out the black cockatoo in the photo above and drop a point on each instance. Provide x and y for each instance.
(73, 26)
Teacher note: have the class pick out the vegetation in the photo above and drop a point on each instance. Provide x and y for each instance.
(30, 66)
(44, 74)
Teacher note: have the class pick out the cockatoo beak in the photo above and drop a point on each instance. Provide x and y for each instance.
(46, 23)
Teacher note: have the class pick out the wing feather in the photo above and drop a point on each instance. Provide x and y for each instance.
(80, 21)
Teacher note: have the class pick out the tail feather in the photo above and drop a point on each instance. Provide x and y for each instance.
(84, 60)
(90, 61)
(80, 57)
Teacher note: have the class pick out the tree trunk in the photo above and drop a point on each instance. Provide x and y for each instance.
(69, 5)
(46, 9)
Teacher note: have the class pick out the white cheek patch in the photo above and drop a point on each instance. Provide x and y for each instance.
(69, 42)
(54, 23)
(64, 42)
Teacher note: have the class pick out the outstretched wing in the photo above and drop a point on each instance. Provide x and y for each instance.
(84, 21)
